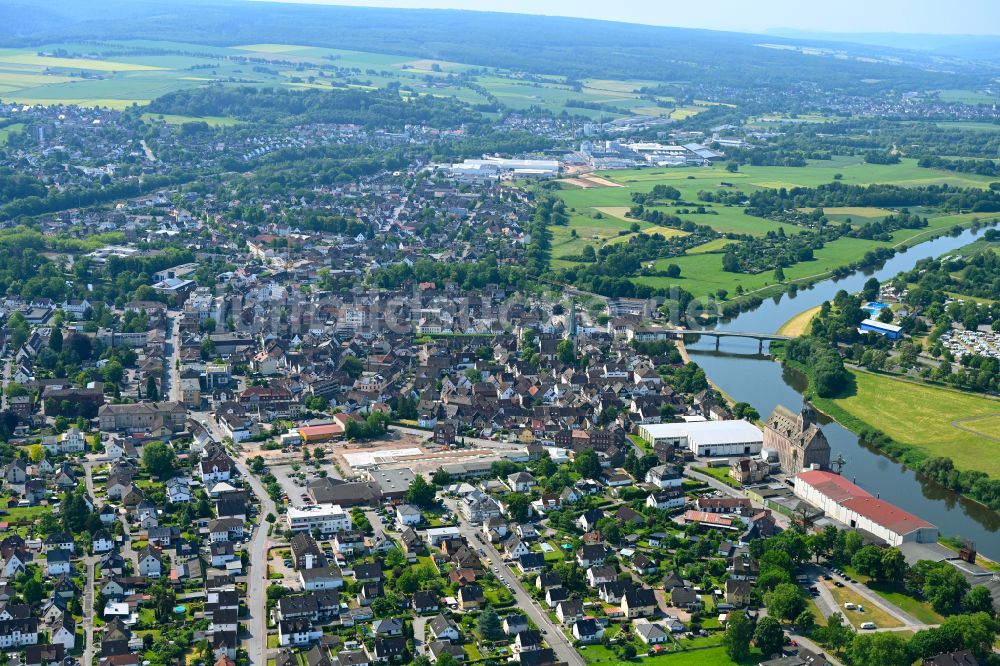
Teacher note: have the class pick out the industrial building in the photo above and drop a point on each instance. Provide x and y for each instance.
(492, 168)
(706, 438)
(853, 506)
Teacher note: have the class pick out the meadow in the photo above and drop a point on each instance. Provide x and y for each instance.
(923, 417)
(701, 269)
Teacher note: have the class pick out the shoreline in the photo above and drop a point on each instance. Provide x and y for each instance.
(781, 288)
(899, 452)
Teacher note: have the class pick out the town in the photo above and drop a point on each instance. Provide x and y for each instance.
(320, 353)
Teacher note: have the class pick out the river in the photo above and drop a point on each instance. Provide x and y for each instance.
(746, 376)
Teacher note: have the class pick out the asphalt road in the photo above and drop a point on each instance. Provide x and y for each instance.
(260, 543)
(564, 651)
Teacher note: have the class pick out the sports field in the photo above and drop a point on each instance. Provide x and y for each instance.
(933, 420)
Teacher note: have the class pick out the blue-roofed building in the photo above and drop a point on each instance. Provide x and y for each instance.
(890, 331)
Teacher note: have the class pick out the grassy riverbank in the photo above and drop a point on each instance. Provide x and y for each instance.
(800, 324)
(916, 421)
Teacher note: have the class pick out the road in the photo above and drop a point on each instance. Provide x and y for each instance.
(260, 543)
(556, 639)
(419, 626)
(171, 388)
(909, 623)
(88, 609)
(148, 151)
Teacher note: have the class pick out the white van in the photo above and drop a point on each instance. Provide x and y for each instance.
(849, 606)
(867, 625)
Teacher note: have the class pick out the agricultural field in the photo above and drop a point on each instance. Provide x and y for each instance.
(701, 269)
(928, 419)
(120, 74)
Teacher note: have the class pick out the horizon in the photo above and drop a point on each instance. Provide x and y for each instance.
(857, 17)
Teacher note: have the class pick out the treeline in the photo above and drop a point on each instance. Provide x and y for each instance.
(469, 276)
(14, 185)
(974, 483)
(772, 202)
(987, 168)
(375, 109)
(77, 197)
(827, 374)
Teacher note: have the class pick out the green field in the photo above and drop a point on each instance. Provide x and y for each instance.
(924, 417)
(701, 273)
(137, 71)
(170, 119)
(715, 656)
(6, 131)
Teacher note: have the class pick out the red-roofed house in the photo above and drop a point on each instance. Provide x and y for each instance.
(844, 501)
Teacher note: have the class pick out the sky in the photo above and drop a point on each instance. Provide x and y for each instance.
(972, 17)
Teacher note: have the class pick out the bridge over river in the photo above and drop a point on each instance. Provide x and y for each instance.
(761, 338)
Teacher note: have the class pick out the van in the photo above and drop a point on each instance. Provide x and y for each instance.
(849, 606)
(867, 625)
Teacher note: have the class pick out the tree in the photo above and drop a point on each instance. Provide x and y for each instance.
(159, 459)
(978, 600)
(489, 625)
(805, 622)
(868, 561)
(779, 274)
(353, 367)
(836, 634)
(56, 340)
(36, 453)
(893, 567)
(33, 591)
(441, 477)
(566, 352)
(408, 582)
(394, 557)
(785, 601)
(164, 601)
(881, 649)
(945, 587)
(152, 393)
(518, 507)
(587, 464)
(421, 493)
(769, 636)
(386, 605)
(739, 632)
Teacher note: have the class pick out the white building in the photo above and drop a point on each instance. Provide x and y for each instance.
(326, 518)
(707, 438)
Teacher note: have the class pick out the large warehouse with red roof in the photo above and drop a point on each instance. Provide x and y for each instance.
(843, 501)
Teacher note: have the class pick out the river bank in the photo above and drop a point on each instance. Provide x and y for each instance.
(744, 375)
(919, 423)
(750, 300)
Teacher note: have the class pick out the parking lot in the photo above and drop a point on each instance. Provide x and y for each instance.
(295, 487)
